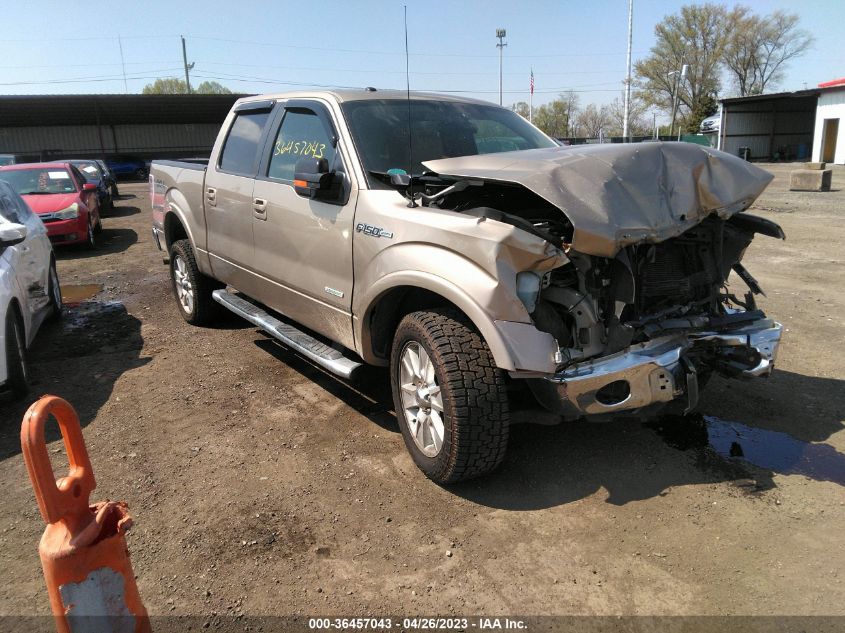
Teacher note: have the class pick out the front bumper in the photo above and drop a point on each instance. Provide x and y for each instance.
(661, 370)
(69, 231)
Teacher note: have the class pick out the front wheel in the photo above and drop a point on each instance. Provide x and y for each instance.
(16, 367)
(54, 291)
(91, 237)
(191, 288)
(450, 398)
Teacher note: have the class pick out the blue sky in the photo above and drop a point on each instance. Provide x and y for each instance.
(256, 46)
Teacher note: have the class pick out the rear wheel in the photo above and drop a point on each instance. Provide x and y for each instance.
(16, 367)
(450, 398)
(191, 288)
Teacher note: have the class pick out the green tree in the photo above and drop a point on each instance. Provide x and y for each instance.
(212, 88)
(760, 47)
(557, 118)
(706, 106)
(173, 86)
(696, 36)
(167, 86)
(521, 108)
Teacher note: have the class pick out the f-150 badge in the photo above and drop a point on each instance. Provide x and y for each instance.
(369, 229)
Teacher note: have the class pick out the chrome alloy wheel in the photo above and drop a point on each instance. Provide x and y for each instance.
(183, 285)
(422, 400)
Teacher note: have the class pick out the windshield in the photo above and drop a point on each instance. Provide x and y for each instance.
(41, 180)
(441, 129)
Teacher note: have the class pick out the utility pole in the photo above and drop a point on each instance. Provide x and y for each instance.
(188, 66)
(500, 33)
(628, 75)
(122, 65)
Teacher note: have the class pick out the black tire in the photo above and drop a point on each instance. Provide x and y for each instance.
(141, 174)
(474, 395)
(16, 368)
(91, 238)
(54, 292)
(203, 310)
(98, 227)
(115, 194)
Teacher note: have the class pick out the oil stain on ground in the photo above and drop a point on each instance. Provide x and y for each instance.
(772, 450)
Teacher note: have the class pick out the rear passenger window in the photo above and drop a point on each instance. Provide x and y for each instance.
(241, 146)
(301, 135)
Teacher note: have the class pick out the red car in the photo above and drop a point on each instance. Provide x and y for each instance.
(66, 203)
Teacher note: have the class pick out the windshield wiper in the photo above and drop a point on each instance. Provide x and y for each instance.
(36, 193)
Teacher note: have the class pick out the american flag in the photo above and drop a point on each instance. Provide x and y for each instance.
(532, 81)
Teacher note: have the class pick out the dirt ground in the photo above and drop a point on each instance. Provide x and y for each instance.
(261, 485)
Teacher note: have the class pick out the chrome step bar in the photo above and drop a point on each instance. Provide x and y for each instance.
(317, 352)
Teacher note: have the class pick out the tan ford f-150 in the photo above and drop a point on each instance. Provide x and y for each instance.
(454, 243)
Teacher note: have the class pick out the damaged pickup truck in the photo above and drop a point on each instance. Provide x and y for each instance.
(454, 243)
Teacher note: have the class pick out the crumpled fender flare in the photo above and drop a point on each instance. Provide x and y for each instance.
(515, 346)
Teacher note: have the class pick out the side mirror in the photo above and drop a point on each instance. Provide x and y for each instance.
(311, 177)
(11, 234)
(89, 186)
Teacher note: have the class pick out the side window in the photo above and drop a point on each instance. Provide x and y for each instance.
(301, 135)
(241, 145)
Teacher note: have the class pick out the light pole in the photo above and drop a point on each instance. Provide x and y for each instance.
(675, 99)
(500, 33)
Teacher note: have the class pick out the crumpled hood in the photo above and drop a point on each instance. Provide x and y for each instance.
(621, 194)
(48, 203)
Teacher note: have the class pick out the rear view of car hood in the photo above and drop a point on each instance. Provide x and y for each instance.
(616, 195)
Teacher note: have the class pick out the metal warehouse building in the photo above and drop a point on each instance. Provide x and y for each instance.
(44, 127)
(773, 127)
(803, 125)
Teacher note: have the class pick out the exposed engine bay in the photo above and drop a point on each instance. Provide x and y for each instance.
(642, 325)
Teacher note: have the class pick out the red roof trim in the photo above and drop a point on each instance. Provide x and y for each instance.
(833, 84)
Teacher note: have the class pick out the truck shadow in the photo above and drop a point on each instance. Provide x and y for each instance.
(78, 358)
(109, 241)
(746, 433)
(749, 432)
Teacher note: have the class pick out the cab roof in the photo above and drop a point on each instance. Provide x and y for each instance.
(365, 94)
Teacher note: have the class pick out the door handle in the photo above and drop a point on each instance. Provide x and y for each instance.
(211, 195)
(259, 208)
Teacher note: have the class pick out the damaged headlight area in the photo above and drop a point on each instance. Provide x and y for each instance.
(654, 323)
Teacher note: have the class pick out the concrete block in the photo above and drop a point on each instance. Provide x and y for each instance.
(810, 180)
(815, 165)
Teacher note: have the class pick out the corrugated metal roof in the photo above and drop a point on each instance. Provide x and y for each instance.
(111, 109)
(774, 95)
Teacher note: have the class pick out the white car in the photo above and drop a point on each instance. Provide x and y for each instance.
(710, 125)
(29, 286)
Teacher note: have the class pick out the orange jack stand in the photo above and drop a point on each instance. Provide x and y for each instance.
(83, 549)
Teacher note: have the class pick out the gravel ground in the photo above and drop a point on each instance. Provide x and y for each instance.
(261, 485)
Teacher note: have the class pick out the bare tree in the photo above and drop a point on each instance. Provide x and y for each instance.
(638, 125)
(593, 120)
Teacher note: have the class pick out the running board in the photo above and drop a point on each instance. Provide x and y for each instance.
(317, 352)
